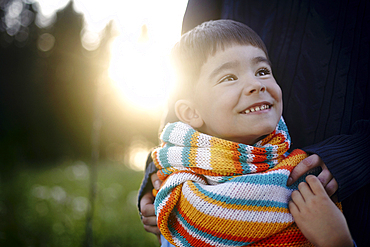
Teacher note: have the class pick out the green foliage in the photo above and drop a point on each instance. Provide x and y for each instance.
(47, 207)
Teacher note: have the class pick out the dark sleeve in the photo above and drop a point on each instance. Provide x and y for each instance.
(347, 158)
(199, 11)
(146, 184)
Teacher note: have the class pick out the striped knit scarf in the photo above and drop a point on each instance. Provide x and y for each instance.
(221, 193)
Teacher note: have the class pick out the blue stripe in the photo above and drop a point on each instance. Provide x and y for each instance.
(269, 151)
(167, 132)
(186, 151)
(163, 152)
(163, 156)
(239, 201)
(243, 159)
(185, 157)
(282, 127)
(277, 179)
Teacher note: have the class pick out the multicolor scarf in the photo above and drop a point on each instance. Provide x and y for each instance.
(221, 193)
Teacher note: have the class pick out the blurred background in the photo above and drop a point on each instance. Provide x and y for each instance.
(83, 84)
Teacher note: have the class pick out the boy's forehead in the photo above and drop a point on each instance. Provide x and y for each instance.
(231, 56)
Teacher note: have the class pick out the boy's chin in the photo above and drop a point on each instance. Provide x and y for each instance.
(260, 138)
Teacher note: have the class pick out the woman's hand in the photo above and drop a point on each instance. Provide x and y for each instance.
(325, 177)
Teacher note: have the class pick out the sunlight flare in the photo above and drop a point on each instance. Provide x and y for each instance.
(139, 65)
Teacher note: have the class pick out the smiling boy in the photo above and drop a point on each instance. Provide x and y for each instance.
(225, 165)
(225, 106)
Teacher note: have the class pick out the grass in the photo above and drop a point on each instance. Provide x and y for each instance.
(47, 207)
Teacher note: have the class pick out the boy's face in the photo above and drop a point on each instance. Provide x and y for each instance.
(237, 96)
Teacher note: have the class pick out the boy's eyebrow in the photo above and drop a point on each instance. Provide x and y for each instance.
(225, 66)
(261, 59)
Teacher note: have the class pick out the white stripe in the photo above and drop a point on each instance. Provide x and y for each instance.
(161, 205)
(253, 168)
(174, 156)
(234, 214)
(242, 190)
(204, 141)
(177, 135)
(203, 158)
(213, 180)
(245, 191)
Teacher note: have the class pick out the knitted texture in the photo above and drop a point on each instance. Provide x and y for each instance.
(221, 193)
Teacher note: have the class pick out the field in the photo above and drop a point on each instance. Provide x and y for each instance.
(47, 206)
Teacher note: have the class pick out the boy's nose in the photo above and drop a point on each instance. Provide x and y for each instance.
(254, 86)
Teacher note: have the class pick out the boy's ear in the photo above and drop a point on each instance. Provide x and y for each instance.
(187, 113)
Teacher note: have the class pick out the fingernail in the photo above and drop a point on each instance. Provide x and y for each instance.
(290, 180)
(157, 184)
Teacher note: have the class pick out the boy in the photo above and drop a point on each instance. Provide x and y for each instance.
(225, 165)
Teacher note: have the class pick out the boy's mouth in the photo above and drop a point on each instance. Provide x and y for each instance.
(257, 108)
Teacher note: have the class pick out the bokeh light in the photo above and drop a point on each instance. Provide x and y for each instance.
(90, 40)
(45, 42)
(17, 19)
(137, 153)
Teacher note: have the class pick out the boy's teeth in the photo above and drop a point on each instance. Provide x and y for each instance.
(257, 108)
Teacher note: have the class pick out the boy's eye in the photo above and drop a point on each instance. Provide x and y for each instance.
(263, 72)
(228, 78)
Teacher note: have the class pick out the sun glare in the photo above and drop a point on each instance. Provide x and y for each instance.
(139, 65)
(139, 71)
(147, 31)
(139, 68)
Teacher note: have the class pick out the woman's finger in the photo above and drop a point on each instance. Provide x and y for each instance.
(303, 167)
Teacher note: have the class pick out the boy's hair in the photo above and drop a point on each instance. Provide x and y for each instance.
(195, 46)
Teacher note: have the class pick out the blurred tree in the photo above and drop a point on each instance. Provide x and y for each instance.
(47, 85)
(19, 97)
(70, 84)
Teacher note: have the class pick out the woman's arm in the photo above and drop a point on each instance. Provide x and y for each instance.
(345, 156)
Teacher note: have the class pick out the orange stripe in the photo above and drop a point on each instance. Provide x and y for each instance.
(193, 151)
(232, 229)
(192, 240)
(291, 236)
(165, 213)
